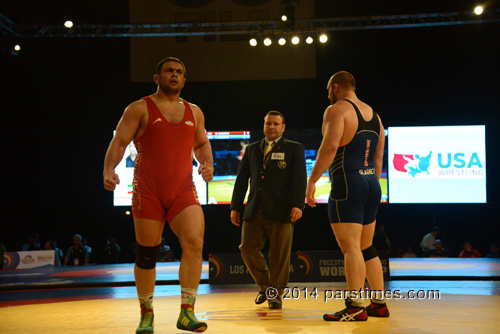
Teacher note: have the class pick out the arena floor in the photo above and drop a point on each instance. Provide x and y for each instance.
(439, 296)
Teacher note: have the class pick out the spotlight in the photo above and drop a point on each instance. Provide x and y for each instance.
(295, 40)
(68, 24)
(288, 13)
(323, 38)
(12, 49)
(282, 41)
(478, 10)
(268, 41)
(309, 40)
(127, 213)
(253, 42)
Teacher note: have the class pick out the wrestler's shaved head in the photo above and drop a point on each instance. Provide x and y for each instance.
(344, 79)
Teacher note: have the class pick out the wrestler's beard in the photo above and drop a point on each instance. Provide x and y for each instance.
(167, 90)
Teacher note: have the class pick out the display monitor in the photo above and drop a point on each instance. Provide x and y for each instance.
(228, 148)
(437, 164)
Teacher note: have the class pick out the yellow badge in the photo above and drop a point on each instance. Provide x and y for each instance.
(282, 164)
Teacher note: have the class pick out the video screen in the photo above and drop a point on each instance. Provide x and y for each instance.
(228, 148)
(228, 151)
(437, 164)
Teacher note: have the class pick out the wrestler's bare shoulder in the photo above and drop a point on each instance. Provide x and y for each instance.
(137, 108)
(138, 105)
(343, 106)
(194, 107)
(338, 109)
(197, 113)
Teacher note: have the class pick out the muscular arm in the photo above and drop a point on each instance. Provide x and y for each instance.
(379, 151)
(201, 147)
(333, 129)
(125, 132)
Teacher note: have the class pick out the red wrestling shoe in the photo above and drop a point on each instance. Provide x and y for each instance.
(350, 313)
(377, 310)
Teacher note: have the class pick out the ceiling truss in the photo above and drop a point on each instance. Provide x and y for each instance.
(14, 31)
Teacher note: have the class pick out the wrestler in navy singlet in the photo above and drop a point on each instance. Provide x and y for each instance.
(355, 194)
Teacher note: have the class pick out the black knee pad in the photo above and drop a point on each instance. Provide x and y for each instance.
(146, 256)
(369, 253)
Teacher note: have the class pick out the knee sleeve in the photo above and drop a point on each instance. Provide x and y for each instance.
(369, 253)
(146, 256)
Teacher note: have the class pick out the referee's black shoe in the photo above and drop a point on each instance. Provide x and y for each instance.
(261, 297)
(275, 304)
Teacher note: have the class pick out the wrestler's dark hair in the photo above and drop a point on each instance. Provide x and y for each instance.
(344, 79)
(163, 61)
(275, 113)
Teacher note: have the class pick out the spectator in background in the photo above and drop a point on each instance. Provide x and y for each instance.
(85, 245)
(494, 251)
(58, 251)
(469, 251)
(381, 240)
(49, 245)
(32, 244)
(77, 254)
(409, 253)
(111, 251)
(428, 242)
(440, 251)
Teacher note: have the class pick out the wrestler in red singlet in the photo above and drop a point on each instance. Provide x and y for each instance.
(163, 183)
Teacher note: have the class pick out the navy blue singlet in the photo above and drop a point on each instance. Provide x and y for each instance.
(355, 194)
